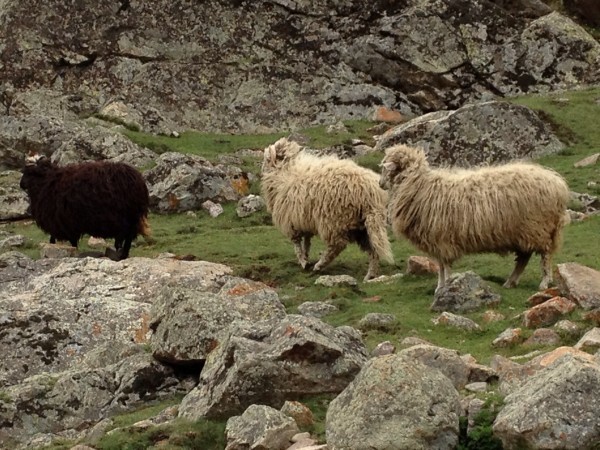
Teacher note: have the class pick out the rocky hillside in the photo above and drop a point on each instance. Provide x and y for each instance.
(267, 65)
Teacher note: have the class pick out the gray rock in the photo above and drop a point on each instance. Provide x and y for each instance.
(336, 280)
(555, 408)
(56, 311)
(384, 348)
(65, 141)
(249, 205)
(377, 321)
(188, 324)
(476, 134)
(48, 403)
(317, 309)
(464, 292)
(412, 57)
(445, 360)
(395, 402)
(213, 209)
(14, 203)
(590, 342)
(456, 321)
(580, 283)
(184, 182)
(258, 427)
(270, 362)
(508, 337)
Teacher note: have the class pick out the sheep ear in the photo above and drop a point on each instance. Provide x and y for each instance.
(32, 158)
(270, 155)
(389, 166)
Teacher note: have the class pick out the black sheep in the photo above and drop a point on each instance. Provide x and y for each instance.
(100, 198)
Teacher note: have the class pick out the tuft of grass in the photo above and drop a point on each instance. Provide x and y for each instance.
(178, 434)
(127, 125)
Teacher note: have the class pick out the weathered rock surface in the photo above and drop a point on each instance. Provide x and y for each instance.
(53, 312)
(65, 142)
(259, 427)
(445, 360)
(464, 292)
(76, 398)
(395, 402)
(14, 202)
(181, 182)
(476, 134)
(580, 283)
(555, 408)
(263, 66)
(188, 324)
(271, 362)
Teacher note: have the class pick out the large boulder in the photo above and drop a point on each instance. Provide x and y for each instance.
(555, 408)
(258, 427)
(265, 66)
(395, 402)
(188, 324)
(53, 312)
(270, 362)
(579, 283)
(476, 134)
(65, 141)
(72, 400)
(184, 182)
(14, 203)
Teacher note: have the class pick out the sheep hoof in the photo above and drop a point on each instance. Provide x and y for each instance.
(543, 286)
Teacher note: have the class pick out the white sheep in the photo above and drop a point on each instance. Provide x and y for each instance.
(517, 207)
(335, 199)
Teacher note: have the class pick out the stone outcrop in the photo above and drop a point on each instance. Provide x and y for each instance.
(264, 66)
(270, 362)
(395, 402)
(565, 399)
(181, 182)
(476, 134)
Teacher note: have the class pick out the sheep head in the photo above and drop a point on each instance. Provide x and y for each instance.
(400, 160)
(36, 167)
(279, 154)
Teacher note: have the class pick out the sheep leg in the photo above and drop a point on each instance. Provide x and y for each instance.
(329, 255)
(52, 239)
(546, 263)
(373, 266)
(443, 275)
(305, 245)
(123, 253)
(301, 248)
(520, 263)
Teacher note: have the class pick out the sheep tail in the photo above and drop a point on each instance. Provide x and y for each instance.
(378, 238)
(144, 227)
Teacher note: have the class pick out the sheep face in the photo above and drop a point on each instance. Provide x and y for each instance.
(36, 167)
(279, 154)
(398, 161)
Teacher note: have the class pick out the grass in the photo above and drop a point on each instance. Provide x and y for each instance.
(261, 253)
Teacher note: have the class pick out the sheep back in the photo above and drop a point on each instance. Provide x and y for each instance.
(451, 212)
(99, 198)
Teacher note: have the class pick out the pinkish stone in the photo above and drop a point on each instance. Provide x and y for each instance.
(543, 336)
(548, 312)
(421, 265)
(580, 283)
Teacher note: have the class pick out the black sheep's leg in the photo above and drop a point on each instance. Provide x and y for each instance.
(124, 252)
(118, 243)
(52, 239)
(73, 242)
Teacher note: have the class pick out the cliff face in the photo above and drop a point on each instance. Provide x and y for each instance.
(261, 65)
